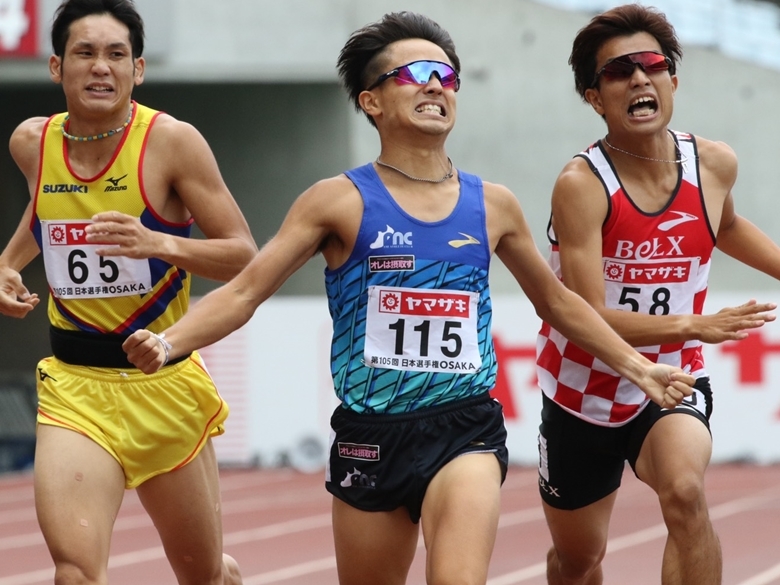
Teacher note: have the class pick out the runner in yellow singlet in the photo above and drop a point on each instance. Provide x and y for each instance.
(111, 212)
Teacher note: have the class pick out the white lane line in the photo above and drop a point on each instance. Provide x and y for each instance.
(21, 494)
(142, 520)
(768, 576)
(19, 515)
(519, 576)
(274, 530)
(286, 573)
(241, 480)
(520, 516)
(227, 484)
(21, 541)
(40, 576)
(323, 520)
(157, 552)
(326, 564)
(649, 534)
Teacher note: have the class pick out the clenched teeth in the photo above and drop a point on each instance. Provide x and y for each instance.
(430, 108)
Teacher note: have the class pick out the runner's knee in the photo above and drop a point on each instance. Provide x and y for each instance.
(682, 500)
(71, 574)
(574, 564)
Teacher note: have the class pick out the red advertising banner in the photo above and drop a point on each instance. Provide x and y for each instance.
(18, 28)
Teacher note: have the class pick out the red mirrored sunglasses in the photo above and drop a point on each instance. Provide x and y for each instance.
(419, 72)
(623, 67)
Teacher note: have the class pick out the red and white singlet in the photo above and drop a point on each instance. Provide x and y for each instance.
(654, 263)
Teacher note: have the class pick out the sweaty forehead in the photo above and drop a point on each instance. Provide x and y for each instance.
(408, 50)
(617, 46)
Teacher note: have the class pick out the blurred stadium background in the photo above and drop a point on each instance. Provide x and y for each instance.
(258, 79)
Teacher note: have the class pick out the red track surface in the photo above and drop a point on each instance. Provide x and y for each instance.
(277, 525)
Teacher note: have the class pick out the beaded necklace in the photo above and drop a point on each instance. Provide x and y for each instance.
(96, 136)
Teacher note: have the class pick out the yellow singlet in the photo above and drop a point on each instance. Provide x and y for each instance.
(149, 424)
(99, 294)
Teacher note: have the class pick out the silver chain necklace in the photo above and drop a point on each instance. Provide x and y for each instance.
(448, 175)
(683, 159)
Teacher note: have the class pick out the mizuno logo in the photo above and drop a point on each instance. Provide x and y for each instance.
(43, 375)
(669, 224)
(458, 243)
(115, 186)
(114, 181)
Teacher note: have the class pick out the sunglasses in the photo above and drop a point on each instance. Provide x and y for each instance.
(623, 67)
(420, 72)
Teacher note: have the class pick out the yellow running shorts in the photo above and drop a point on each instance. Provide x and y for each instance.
(150, 424)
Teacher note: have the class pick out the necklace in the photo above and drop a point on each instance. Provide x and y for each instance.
(683, 159)
(96, 136)
(447, 175)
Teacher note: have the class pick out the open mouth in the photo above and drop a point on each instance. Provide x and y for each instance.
(643, 106)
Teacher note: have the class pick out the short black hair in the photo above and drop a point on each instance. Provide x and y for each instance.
(71, 10)
(358, 62)
(621, 21)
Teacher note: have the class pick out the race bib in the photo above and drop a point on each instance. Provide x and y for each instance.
(653, 287)
(75, 271)
(422, 330)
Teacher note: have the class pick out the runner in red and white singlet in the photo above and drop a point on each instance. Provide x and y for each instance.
(634, 221)
(654, 263)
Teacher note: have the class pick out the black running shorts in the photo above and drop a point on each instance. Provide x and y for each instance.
(580, 462)
(380, 462)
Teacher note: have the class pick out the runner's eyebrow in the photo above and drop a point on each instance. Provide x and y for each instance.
(91, 45)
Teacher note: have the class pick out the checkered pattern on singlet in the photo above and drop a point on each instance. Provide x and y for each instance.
(659, 261)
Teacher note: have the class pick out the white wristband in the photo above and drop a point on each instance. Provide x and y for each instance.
(167, 347)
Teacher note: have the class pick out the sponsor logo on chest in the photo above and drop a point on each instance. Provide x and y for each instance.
(670, 246)
(65, 188)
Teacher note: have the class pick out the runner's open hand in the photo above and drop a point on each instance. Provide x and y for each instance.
(733, 323)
